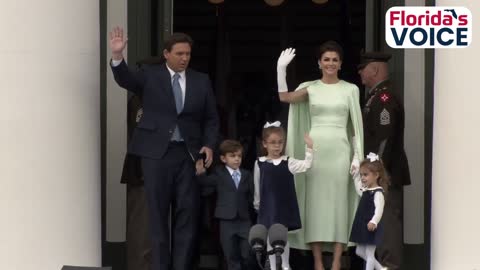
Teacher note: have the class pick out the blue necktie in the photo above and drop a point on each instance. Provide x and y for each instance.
(177, 93)
(236, 178)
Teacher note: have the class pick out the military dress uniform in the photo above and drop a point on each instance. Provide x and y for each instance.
(384, 122)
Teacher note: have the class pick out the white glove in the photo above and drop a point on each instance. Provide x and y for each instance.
(355, 166)
(283, 60)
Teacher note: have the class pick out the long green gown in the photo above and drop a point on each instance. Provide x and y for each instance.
(326, 193)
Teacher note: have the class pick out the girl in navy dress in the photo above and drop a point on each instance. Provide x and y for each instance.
(367, 229)
(275, 197)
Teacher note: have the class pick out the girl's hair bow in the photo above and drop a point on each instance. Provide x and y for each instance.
(373, 157)
(274, 124)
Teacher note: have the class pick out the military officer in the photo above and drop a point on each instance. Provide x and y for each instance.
(384, 121)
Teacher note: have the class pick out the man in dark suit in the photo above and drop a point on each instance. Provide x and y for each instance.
(234, 206)
(384, 122)
(179, 124)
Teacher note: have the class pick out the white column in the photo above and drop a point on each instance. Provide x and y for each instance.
(414, 102)
(116, 133)
(50, 136)
(456, 153)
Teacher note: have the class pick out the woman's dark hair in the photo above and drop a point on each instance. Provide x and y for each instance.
(177, 38)
(330, 46)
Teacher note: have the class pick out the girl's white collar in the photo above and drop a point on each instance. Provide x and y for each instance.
(370, 189)
(275, 161)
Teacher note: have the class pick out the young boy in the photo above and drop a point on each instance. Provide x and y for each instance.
(235, 190)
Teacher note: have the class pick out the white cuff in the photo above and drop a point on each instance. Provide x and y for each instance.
(116, 62)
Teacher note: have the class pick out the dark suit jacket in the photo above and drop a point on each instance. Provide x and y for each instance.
(232, 203)
(198, 122)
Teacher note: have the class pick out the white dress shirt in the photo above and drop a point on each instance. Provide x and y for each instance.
(230, 170)
(182, 80)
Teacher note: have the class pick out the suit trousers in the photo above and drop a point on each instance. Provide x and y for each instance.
(139, 252)
(234, 240)
(390, 251)
(170, 185)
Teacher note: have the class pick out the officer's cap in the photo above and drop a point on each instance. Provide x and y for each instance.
(369, 57)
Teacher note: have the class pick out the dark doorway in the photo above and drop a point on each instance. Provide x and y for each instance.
(237, 43)
(249, 36)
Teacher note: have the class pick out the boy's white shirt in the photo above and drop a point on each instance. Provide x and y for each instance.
(230, 170)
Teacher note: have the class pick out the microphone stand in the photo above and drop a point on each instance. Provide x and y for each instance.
(278, 260)
(267, 264)
(258, 254)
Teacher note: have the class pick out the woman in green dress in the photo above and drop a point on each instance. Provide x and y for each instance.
(329, 110)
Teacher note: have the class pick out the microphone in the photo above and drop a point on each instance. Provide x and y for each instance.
(257, 238)
(278, 240)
